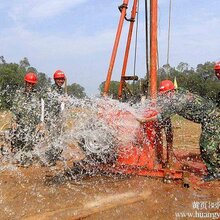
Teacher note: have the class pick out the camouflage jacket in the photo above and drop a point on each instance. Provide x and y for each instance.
(191, 106)
(53, 101)
(26, 108)
(58, 89)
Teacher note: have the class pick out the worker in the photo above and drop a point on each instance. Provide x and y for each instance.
(166, 126)
(26, 117)
(54, 106)
(56, 96)
(217, 73)
(196, 109)
(59, 78)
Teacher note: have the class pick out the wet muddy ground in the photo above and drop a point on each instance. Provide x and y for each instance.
(28, 193)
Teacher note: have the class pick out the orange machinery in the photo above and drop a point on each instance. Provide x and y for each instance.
(145, 157)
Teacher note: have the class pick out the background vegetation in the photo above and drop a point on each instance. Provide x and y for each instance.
(12, 79)
(201, 80)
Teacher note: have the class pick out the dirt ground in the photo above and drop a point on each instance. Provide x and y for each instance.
(26, 193)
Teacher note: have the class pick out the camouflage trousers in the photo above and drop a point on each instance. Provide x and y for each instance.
(24, 138)
(210, 147)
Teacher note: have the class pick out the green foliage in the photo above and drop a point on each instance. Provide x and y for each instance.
(2, 59)
(76, 90)
(206, 70)
(182, 67)
(201, 80)
(12, 79)
(24, 64)
(43, 81)
(132, 91)
(113, 89)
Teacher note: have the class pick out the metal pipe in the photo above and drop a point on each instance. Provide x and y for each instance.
(133, 15)
(115, 47)
(147, 48)
(153, 48)
(168, 37)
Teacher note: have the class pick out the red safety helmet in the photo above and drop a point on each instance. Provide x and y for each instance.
(217, 69)
(31, 78)
(59, 74)
(165, 86)
(217, 66)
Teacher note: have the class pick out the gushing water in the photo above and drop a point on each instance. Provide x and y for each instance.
(87, 130)
(77, 133)
(46, 132)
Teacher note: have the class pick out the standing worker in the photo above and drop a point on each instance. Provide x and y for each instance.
(217, 73)
(55, 104)
(54, 97)
(59, 78)
(57, 100)
(27, 115)
(199, 110)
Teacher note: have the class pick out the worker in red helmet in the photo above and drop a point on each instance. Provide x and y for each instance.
(166, 86)
(54, 98)
(26, 109)
(30, 81)
(199, 110)
(166, 123)
(55, 104)
(217, 73)
(217, 69)
(57, 98)
(59, 78)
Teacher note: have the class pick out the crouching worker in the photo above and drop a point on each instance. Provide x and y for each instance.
(199, 110)
(26, 117)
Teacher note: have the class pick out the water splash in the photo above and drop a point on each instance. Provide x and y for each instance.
(85, 127)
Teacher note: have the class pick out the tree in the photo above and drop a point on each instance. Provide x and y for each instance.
(43, 81)
(31, 69)
(206, 70)
(113, 89)
(11, 79)
(202, 81)
(182, 67)
(166, 71)
(2, 59)
(76, 90)
(132, 91)
(24, 63)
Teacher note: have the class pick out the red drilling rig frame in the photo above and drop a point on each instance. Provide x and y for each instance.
(145, 159)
